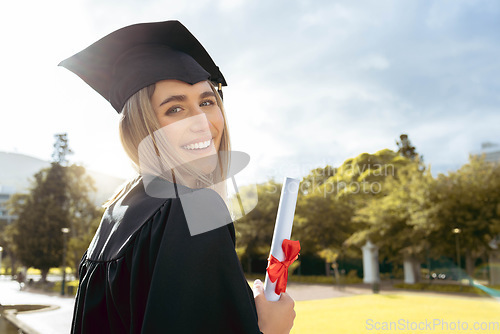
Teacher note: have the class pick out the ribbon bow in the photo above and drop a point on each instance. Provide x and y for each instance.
(278, 270)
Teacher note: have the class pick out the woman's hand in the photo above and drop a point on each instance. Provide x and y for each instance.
(274, 317)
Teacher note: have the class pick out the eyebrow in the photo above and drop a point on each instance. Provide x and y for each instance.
(183, 97)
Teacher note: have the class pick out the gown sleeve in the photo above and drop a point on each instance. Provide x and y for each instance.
(197, 284)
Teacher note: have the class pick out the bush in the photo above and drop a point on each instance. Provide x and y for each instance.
(439, 287)
(70, 287)
(351, 278)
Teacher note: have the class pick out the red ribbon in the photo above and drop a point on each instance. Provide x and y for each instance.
(278, 270)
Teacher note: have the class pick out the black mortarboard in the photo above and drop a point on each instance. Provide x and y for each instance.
(129, 59)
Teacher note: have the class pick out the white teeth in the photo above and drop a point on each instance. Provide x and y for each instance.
(197, 146)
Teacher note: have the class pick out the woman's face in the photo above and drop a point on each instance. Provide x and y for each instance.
(191, 120)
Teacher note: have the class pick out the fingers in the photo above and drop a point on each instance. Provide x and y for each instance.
(258, 288)
(274, 317)
(286, 299)
(289, 304)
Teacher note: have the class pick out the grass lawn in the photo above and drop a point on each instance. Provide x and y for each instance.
(351, 315)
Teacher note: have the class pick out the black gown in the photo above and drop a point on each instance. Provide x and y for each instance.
(145, 273)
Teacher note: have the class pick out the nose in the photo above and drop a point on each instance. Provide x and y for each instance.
(199, 122)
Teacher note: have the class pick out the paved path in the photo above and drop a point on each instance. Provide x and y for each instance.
(302, 291)
(45, 322)
(58, 320)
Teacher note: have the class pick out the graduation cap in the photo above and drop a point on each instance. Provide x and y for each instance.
(131, 58)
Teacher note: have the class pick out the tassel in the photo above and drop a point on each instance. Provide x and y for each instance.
(219, 90)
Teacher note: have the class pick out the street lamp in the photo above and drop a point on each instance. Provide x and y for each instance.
(1, 250)
(65, 232)
(457, 231)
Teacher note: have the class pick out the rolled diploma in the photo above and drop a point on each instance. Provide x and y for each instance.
(282, 229)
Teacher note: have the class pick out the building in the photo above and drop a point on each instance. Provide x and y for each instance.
(491, 152)
(5, 193)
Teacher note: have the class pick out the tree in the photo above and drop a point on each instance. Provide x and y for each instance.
(61, 149)
(397, 221)
(406, 150)
(468, 199)
(59, 198)
(9, 248)
(84, 215)
(325, 212)
(41, 216)
(322, 222)
(416, 216)
(255, 230)
(316, 178)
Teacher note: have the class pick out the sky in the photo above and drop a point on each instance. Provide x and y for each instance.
(310, 83)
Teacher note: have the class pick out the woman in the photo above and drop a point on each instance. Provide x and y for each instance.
(163, 258)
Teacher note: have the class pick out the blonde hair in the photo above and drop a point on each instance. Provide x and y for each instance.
(138, 121)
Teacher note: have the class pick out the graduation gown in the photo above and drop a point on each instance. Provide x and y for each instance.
(145, 273)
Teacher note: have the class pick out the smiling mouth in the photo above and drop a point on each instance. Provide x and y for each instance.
(198, 146)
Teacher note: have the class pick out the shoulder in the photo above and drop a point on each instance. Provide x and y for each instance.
(131, 210)
(148, 206)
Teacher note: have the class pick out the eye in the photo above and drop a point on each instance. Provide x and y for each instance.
(207, 103)
(173, 110)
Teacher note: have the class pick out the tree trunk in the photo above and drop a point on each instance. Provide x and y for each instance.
(469, 263)
(249, 265)
(336, 273)
(327, 268)
(74, 269)
(494, 264)
(417, 270)
(44, 275)
(13, 263)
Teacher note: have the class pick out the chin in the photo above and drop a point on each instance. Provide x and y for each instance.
(204, 165)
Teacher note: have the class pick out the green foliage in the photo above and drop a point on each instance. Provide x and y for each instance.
(322, 222)
(468, 199)
(417, 213)
(455, 288)
(61, 149)
(311, 279)
(254, 231)
(390, 199)
(59, 198)
(9, 248)
(84, 216)
(324, 214)
(71, 287)
(41, 215)
(405, 148)
(316, 178)
(396, 222)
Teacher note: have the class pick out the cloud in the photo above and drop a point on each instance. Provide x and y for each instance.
(309, 81)
(374, 62)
